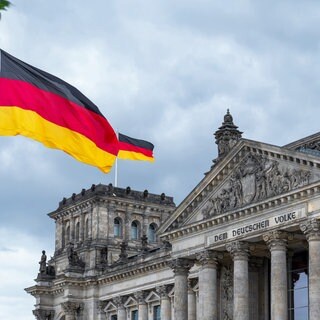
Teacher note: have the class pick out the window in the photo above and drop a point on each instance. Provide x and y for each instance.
(134, 230)
(77, 231)
(298, 287)
(87, 229)
(152, 232)
(117, 227)
(68, 235)
(156, 313)
(114, 317)
(134, 315)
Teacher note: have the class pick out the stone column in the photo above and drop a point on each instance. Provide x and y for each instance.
(181, 269)
(240, 254)
(142, 305)
(208, 295)
(165, 303)
(311, 229)
(121, 311)
(277, 242)
(71, 309)
(192, 301)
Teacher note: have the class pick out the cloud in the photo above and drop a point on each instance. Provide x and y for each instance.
(19, 256)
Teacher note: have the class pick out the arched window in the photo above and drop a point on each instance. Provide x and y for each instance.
(67, 235)
(152, 236)
(134, 230)
(77, 231)
(87, 229)
(117, 227)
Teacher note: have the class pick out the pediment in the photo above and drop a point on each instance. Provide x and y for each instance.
(152, 296)
(252, 172)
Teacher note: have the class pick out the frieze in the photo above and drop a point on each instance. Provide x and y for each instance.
(255, 179)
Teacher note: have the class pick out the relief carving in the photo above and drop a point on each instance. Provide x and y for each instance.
(255, 179)
(227, 292)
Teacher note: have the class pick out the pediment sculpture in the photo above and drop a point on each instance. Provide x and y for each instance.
(256, 178)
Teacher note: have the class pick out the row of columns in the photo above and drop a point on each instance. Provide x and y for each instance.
(277, 242)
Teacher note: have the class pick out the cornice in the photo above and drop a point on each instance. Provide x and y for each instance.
(296, 196)
(117, 204)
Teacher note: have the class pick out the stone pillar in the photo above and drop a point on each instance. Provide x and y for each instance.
(311, 229)
(71, 309)
(121, 311)
(142, 305)
(208, 293)
(240, 254)
(192, 302)
(181, 269)
(277, 242)
(165, 303)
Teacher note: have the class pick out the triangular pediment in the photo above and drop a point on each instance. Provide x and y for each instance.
(252, 172)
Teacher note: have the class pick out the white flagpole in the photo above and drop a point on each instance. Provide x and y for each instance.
(116, 167)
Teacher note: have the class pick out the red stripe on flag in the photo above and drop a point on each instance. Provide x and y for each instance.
(59, 111)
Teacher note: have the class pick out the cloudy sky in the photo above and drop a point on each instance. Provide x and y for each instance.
(164, 71)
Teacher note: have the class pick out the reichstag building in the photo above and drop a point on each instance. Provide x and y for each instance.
(243, 245)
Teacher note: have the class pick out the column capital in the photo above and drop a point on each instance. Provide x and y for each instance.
(209, 258)
(163, 291)
(311, 228)
(71, 307)
(42, 314)
(277, 240)
(181, 266)
(140, 296)
(239, 250)
(119, 302)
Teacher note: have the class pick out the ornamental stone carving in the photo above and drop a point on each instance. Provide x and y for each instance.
(227, 292)
(42, 314)
(140, 296)
(119, 302)
(209, 258)
(277, 240)
(255, 179)
(180, 266)
(163, 291)
(238, 250)
(311, 228)
(72, 308)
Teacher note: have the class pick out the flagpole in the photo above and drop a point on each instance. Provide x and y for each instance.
(116, 173)
(116, 166)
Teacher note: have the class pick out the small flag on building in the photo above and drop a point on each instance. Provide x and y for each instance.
(134, 149)
(38, 105)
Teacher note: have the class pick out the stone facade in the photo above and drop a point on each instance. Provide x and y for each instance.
(243, 245)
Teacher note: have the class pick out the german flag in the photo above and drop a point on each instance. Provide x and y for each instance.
(38, 105)
(134, 149)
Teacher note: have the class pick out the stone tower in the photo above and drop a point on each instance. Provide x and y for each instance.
(226, 136)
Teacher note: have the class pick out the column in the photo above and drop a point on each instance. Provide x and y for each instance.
(311, 229)
(192, 302)
(142, 305)
(240, 254)
(165, 303)
(100, 309)
(121, 311)
(208, 295)
(277, 242)
(181, 269)
(71, 309)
